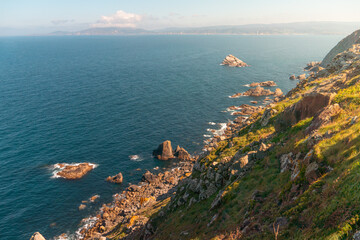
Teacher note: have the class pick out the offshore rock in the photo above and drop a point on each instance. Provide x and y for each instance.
(181, 153)
(233, 61)
(73, 171)
(257, 92)
(263, 84)
(164, 151)
(118, 178)
(37, 236)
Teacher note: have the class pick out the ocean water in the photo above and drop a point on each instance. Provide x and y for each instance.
(101, 99)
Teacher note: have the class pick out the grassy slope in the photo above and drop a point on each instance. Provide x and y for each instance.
(325, 209)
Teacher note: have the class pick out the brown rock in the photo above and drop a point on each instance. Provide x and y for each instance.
(37, 236)
(278, 92)
(182, 154)
(324, 117)
(74, 171)
(164, 151)
(292, 77)
(258, 91)
(236, 95)
(311, 172)
(93, 198)
(149, 177)
(82, 206)
(263, 84)
(233, 61)
(301, 77)
(118, 178)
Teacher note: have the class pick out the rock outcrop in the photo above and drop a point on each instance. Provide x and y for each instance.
(37, 236)
(343, 45)
(233, 61)
(73, 171)
(164, 151)
(118, 178)
(181, 154)
(263, 84)
(257, 92)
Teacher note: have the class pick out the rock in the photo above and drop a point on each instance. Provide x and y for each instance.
(310, 65)
(311, 172)
(82, 206)
(323, 117)
(286, 162)
(268, 113)
(73, 171)
(354, 120)
(301, 77)
(356, 235)
(278, 92)
(37, 236)
(118, 178)
(292, 77)
(310, 105)
(164, 151)
(343, 45)
(254, 102)
(182, 154)
(257, 92)
(149, 177)
(263, 84)
(93, 198)
(233, 61)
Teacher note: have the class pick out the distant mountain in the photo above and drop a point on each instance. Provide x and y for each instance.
(301, 28)
(106, 31)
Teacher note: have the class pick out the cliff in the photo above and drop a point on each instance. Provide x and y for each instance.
(289, 171)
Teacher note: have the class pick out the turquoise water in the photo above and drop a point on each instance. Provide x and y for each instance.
(101, 99)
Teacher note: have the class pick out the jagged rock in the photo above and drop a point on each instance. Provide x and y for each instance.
(286, 162)
(73, 171)
(118, 178)
(82, 206)
(356, 235)
(324, 117)
(310, 65)
(233, 61)
(310, 105)
(181, 153)
(308, 156)
(278, 92)
(164, 151)
(257, 92)
(311, 172)
(37, 236)
(263, 84)
(301, 77)
(149, 177)
(292, 77)
(268, 113)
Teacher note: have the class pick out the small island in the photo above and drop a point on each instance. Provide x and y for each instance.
(232, 61)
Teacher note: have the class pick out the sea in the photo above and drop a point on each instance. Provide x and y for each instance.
(103, 99)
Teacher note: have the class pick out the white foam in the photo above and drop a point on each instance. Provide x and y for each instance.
(237, 96)
(136, 158)
(246, 85)
(233, 110)
(212, 123)
(87, 224)
(58, 167)
(207, 135)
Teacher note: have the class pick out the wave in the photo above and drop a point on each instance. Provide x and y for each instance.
(136, 158)
(246, 85)
(87, 223)
(212, 123)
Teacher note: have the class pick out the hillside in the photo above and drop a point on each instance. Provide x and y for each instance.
(289, 171)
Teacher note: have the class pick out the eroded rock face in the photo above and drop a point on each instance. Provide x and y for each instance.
(309, 106)
(37, 236)
(324, 117)
(233, 61)
(164, 151)
(118, 178)
(73, 171)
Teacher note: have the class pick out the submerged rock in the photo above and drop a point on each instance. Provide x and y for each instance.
(37, 236)
(118, 178)
(233, 61)
(164, 151)
(73, 171)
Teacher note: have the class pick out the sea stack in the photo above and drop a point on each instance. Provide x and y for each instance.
(164, 151)
(233, 61)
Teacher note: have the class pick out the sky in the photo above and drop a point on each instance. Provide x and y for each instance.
(22, 17)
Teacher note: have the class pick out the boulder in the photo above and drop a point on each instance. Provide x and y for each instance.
(278, 92)
(292, 77)
(257, 92)
(164, 151)
(301, 77)
(181, 153)
(324, 117)
(118, 178)
(73, 171)
(149, 177)
(82, 206)
(233, 61)
(37, 236)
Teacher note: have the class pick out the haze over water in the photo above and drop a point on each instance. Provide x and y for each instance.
(100, 99)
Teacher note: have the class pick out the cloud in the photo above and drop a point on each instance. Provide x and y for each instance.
(62, 22)
(119, 19)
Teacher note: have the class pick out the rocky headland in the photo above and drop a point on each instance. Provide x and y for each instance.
(286, 170)
(233, 61)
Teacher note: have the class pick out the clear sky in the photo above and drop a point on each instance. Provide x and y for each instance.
(42, 16)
